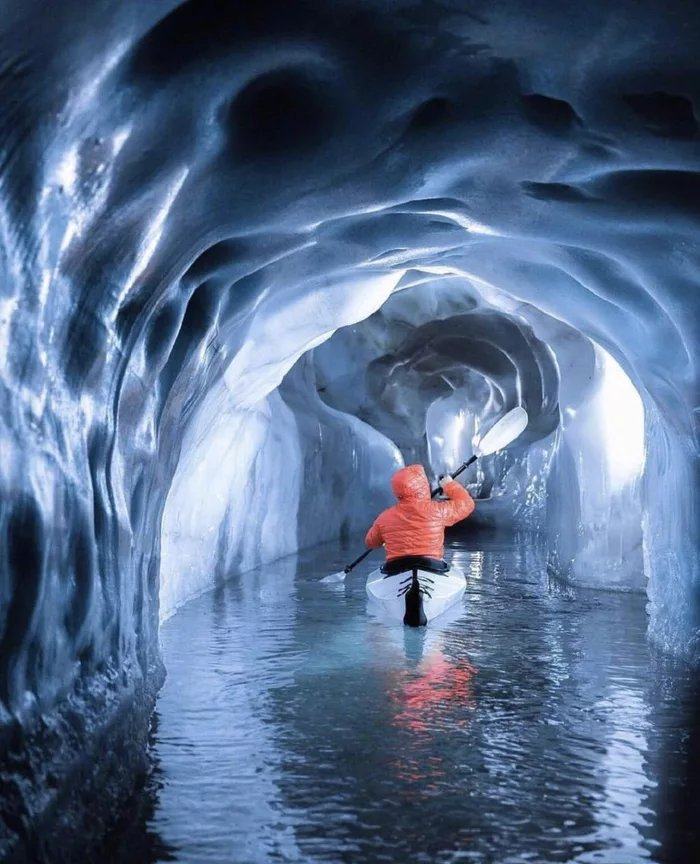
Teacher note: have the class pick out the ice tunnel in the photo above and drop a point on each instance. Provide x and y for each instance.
(257, 255)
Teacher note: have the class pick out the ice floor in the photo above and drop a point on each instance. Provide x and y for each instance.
(533, 726)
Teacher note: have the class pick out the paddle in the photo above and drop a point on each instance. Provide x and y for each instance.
(502, 433)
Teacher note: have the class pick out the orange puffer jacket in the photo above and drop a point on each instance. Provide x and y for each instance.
(416, 525)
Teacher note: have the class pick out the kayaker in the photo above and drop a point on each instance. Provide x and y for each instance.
(415, 526)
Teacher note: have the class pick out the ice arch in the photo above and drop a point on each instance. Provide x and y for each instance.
(194, 195)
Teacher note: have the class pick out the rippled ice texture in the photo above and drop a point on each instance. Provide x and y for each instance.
(533, 726)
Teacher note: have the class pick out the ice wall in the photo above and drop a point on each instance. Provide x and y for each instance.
(257, 483)
(200, 192)
(594, 496)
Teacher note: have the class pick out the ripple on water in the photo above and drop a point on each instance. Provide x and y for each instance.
(533, 726)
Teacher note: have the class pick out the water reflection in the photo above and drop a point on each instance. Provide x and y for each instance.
(425, 700)
(532, 725)
(423, 697)
(134, 838)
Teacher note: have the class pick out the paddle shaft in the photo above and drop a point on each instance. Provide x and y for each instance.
(433, 493)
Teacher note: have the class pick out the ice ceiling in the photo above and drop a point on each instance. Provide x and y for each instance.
(255, 254)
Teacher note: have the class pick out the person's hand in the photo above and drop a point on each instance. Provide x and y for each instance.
(445, 478)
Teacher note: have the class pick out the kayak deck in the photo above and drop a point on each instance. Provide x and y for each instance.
(438, 592)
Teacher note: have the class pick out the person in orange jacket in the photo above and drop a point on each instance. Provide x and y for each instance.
(415, 526)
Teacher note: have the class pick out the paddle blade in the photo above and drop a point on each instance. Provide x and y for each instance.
(333, 578)
(503, 432)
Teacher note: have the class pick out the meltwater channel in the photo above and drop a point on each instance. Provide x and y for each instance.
(533, 724)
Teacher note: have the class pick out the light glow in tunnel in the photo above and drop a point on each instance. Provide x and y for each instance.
(449, 430)
(622, 423)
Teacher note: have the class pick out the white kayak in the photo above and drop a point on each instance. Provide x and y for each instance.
(416, 600)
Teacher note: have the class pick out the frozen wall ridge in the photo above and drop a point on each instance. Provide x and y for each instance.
(181, 183)
(256, 484)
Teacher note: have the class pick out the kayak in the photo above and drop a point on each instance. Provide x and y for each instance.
(416, 596)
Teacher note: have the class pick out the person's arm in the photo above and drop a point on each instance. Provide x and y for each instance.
(460, 504)
(373, 538)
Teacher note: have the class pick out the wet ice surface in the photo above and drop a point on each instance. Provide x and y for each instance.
(533, 726)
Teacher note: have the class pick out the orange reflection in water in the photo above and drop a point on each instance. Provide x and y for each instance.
(429, 701)
(439, 686)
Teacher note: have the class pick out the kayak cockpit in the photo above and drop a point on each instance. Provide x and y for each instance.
(415, 589)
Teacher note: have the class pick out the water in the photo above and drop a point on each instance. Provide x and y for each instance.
(532, 726)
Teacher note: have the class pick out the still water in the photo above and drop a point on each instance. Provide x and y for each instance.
(533, 724)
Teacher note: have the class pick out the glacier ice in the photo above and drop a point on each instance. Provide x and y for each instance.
(253, 259)
(257, 483)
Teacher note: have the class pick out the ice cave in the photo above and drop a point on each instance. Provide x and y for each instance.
(256, 256)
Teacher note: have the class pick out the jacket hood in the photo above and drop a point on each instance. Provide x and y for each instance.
(411, 482)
